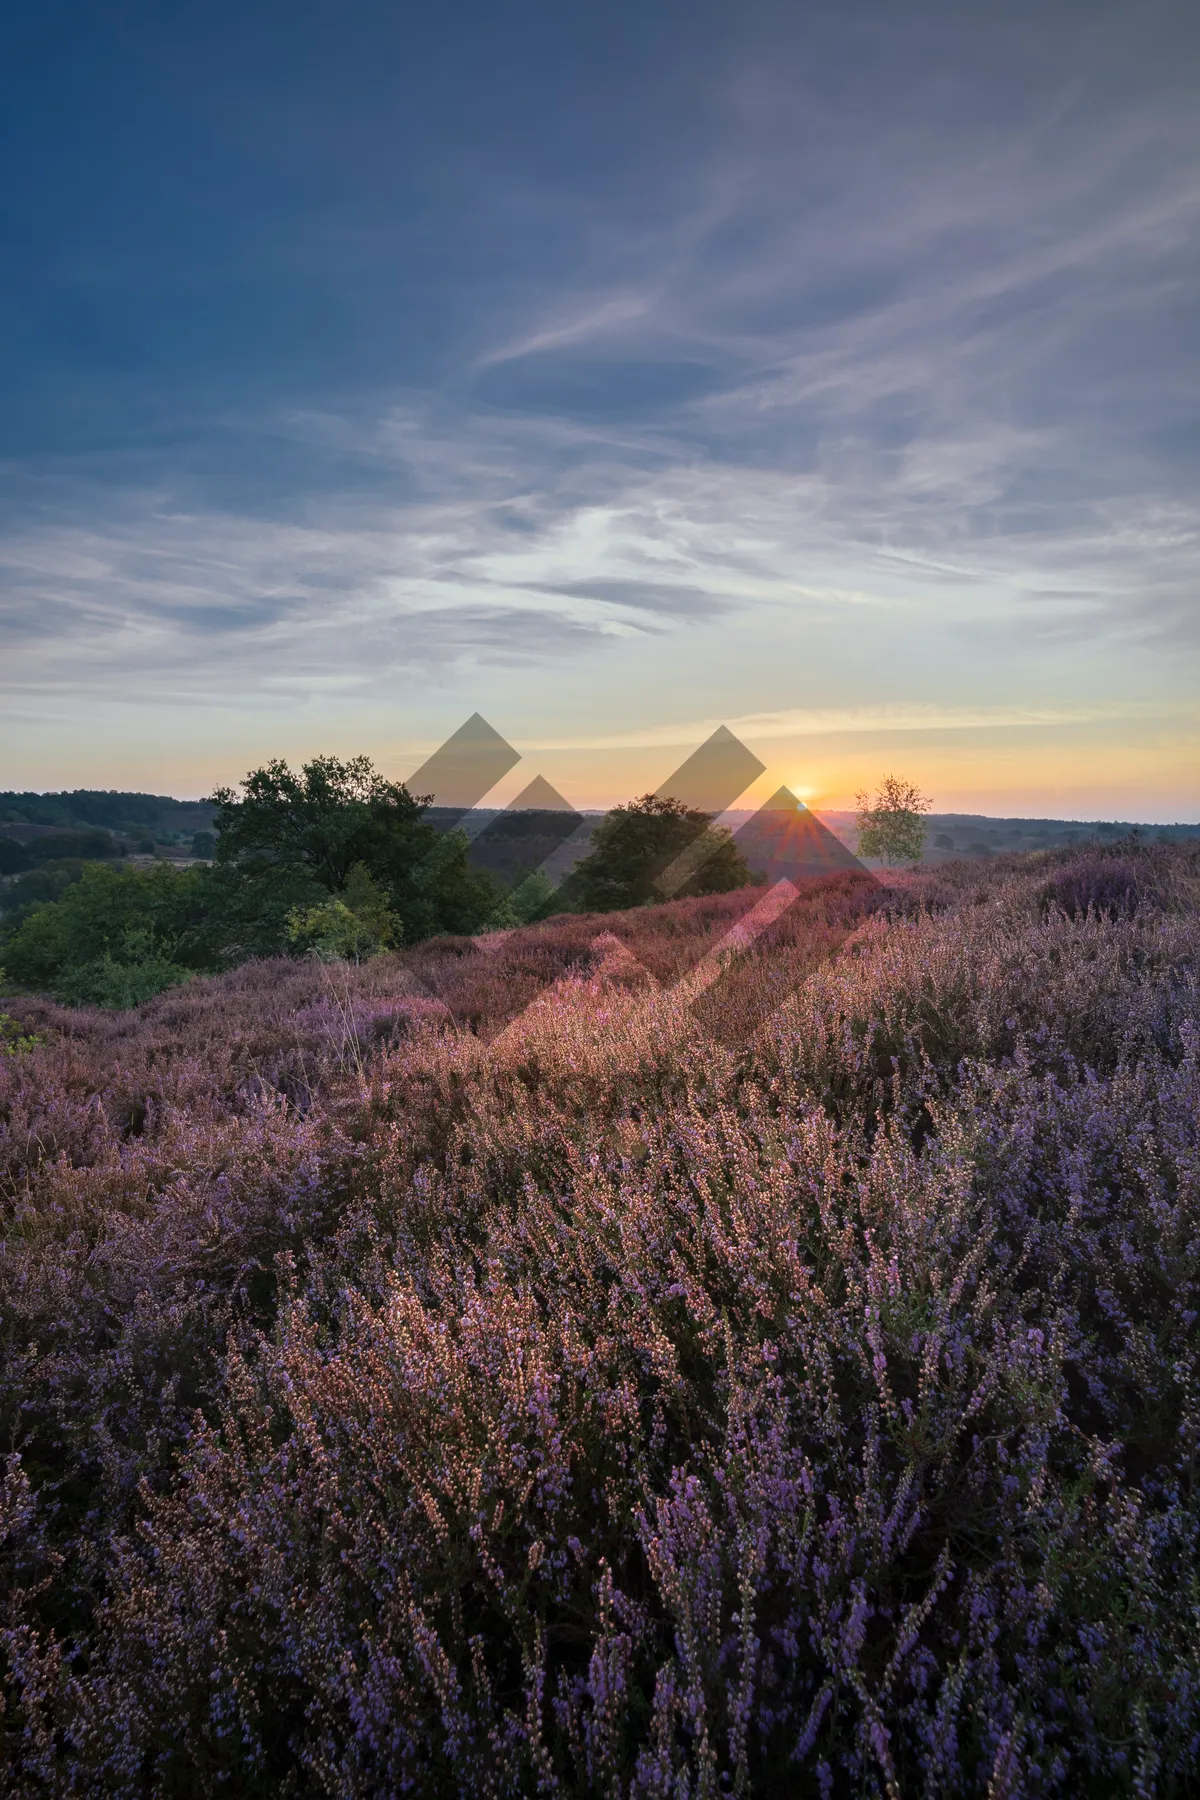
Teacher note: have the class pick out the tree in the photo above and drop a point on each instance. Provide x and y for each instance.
(312, 827)
(633, 848)
(890, 826)
(322, 820)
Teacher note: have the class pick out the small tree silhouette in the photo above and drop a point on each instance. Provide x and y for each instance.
(890, 826)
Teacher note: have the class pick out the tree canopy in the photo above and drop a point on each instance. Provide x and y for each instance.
(635, 846)
(890, 825)
(315, 825)
(323, 819)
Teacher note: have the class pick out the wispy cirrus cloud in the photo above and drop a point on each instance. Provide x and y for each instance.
(802, 722)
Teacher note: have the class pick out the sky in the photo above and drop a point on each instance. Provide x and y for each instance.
(613, 368)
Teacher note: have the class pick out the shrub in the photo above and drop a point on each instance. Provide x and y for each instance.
(13, 1041)
(1114, 885)
(350, 926)
(137, 975)
(534, 896)
(109, 919)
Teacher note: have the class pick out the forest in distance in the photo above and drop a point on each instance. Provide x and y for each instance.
(37, 828)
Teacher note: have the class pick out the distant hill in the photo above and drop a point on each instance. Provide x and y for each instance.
(508, 841)
(953, 835)
(87, 823)
(45, 833)
(108, 809)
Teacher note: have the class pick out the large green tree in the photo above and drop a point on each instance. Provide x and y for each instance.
(308, 828)
(320, 819)
(636, 845)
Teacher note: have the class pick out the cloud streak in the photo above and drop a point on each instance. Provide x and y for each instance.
(803, 722)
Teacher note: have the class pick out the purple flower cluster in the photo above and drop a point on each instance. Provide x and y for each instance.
(415, 1390)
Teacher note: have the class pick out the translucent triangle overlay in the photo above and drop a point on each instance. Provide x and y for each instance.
(468, 766)
(714, 775)
(528, 832)
(786, 842)
(709, 781)
(539, 796)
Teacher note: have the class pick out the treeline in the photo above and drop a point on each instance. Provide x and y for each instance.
(332, 860)
(18, 855)
(108, 810)
(38, 868)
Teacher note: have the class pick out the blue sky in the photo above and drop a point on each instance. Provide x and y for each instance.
(614, 369)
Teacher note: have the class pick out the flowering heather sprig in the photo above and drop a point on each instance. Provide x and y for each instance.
(613, 1398)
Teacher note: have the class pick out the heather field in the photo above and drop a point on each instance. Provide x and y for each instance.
(638, 1356)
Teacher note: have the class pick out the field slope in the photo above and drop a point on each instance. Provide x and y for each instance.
(621, 1359)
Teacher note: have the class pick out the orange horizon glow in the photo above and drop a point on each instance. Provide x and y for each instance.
(1144, 771)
